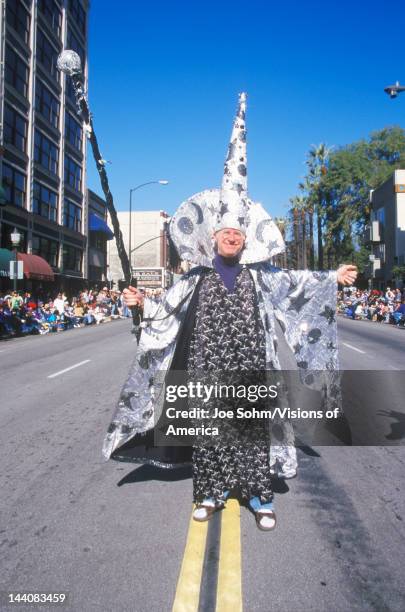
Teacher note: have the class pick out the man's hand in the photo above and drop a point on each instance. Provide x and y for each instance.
(347, 274)
(133, 297)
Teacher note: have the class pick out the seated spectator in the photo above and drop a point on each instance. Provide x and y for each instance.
(39, 315)
(67, 320)
(52, 317)
(15, 321)
(88, 318)
(59, 303)
(361, 311)
(30, 324)
(16, 301)
(398, 316)
(6, 330)
(398, 297)
(350, 309)
(381, 311)
(78, 311)
(98, 315)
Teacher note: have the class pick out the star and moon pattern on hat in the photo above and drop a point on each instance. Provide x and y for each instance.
(198, 218)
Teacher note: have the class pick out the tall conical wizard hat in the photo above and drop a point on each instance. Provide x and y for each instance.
(199, 217)
(233, 207)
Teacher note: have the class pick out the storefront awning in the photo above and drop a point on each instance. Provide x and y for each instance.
(5, 257)
(35, 267)
(96, 224)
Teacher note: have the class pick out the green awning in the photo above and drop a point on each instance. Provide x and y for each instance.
(5, 257)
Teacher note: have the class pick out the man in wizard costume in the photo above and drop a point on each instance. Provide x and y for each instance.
(220, 316)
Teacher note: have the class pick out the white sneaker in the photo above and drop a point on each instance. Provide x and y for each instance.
(204, 512)
(266, 521)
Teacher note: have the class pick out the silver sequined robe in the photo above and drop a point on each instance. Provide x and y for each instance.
(304, 302)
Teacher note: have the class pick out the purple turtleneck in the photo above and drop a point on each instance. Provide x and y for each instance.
(228, 268)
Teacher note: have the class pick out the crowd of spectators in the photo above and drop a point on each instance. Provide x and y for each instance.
(22, 313)
(154, 294)
(381, 306)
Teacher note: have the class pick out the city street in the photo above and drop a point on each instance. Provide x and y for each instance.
(116, 536)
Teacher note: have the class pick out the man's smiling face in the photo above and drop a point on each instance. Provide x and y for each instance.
(230, 242)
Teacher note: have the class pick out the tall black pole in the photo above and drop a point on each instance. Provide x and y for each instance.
(69, 63)
(130, 228)
(15, 270)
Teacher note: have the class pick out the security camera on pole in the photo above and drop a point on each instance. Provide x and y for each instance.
(393, 90)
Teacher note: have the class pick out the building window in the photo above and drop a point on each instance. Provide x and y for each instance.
(97, 241)
(379, 215)
(95, 273)
(18, 18)
(16, 72)
(14, 184)
(15, 128)
(73, 174)
(52, 14)
(47, 55)
(379, 251)
(72, 258)
(48, 249)
(45, 202)
(74, 44)
(46, 103)
(72, 216)
(46, 152)
(78, 14)
(70, 92)
(73, 131)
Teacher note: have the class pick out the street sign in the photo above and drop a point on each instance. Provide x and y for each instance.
(151, 278)
(19, 269)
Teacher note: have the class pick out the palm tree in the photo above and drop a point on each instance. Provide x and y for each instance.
(306, 188)
(282, 224)
(299, 227)
(317, 162)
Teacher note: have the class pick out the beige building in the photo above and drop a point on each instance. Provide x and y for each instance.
(145, 236)
(386, 232)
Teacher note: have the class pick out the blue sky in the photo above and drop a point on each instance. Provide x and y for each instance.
(164, 78)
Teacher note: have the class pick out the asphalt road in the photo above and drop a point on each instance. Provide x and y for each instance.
(112, 536)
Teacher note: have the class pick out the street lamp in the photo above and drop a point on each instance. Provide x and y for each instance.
(394, 90)
(159, 182)
(15, 241)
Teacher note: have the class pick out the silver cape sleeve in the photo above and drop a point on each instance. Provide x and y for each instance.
(140, 398)
(305, 305)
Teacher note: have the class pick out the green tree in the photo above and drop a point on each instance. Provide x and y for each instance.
(398, 272)
(317, 163)
(298, 218)
(306, 187)
(352, 172)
